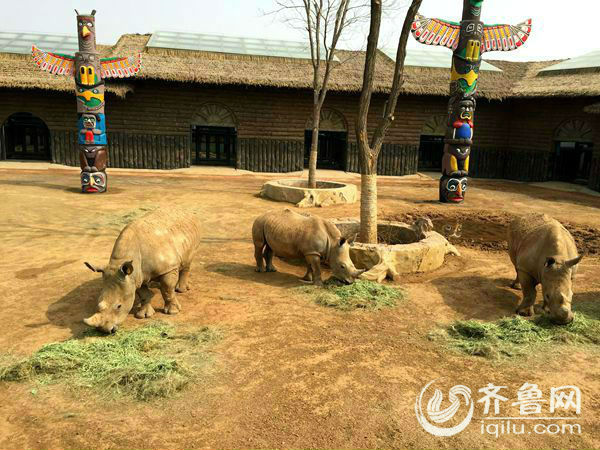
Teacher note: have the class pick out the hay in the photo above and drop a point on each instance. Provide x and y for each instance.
(144, 363)
(358, 295)
(516, 336)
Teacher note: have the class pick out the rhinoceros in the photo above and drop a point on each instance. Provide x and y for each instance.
(288, 234)
(543, 251)
(158, 247)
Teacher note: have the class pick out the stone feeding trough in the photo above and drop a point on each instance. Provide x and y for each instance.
(297, 192)
(403, 248)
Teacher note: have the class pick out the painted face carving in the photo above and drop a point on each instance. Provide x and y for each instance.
(466, 108)
(89, 121)
(93, 182)
(452, 190)
(86, 32)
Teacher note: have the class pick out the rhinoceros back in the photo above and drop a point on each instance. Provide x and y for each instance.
(159, 242)
(294, 235)
(533, 237)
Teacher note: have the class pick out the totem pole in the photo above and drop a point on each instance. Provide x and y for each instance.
(89, 71)
(468, 40)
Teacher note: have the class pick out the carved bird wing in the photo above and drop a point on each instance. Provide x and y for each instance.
(54, 63)
(435, 31)
(505, 37)
(118, 67)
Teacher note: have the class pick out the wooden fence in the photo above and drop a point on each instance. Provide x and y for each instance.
(394, 159)
(135, 151)
(270, 155)
(594, 181)
(511, 164)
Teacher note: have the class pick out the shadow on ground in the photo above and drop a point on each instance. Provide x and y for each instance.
(247, 272)
(487, 299)
(70, 310)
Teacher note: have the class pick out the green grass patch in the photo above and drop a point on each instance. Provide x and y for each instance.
(156, 360)
(361, 294)
(515, 336)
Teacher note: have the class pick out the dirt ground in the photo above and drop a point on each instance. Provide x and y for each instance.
(288, 373)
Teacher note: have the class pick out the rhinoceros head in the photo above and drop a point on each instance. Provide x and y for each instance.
(117, 296)
(341, 265)
(557, 288)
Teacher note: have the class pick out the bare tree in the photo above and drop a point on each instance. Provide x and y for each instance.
(325, 21)
(369, 151)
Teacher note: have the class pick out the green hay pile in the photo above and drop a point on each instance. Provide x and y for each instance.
(516, 336)
(147, 362)
(358, 295)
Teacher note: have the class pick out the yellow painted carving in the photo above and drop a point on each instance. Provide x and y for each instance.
(473, 49)
(453, 164)
(467, 164)
(469, 77)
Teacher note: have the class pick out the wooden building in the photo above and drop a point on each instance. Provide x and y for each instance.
(252, 112)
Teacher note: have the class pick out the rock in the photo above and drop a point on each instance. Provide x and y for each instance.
(295, 191)
(389, 260)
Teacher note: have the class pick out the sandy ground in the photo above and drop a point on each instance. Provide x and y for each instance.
(288, 373)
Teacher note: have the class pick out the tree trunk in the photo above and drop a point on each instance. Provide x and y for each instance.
(314, 146)
(368, 208)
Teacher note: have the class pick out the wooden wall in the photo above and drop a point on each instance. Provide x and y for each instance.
(150, 128)
(394, 159)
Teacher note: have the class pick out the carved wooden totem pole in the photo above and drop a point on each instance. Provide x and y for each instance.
(89, 71)
(468, 40)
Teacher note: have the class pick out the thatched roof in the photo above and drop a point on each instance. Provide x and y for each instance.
(515, 80)
(593, 108)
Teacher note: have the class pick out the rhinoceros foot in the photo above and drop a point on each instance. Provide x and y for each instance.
(172, 307)
(271, 269)
(182, 289)
(527, 311)
(145, 312)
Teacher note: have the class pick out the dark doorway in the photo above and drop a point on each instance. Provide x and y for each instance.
(573, 162)
(431, 150)
(213, 145)
(27, 137)
(332, 149)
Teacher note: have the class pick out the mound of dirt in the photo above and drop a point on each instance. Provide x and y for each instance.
(483, 230)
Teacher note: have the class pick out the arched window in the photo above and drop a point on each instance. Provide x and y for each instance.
(574, 130)
(214, 135)
(333, 140)
(26, 137)
(574, 144)
(431, 144)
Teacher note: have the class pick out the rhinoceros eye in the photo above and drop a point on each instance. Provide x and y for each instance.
(119, 306)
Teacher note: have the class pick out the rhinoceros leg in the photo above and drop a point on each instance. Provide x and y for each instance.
(145, 310)
(314, 263)
(308, 276)
(184, 276)
(258, 256)
(269, 259)
(168, 282)
(528, 285)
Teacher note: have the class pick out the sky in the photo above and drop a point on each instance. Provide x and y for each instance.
(553, 35)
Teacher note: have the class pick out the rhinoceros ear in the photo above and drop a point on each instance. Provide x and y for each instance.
(352, 239)
(127, 268)
(574, 261)
(93, 268)
(342, 241)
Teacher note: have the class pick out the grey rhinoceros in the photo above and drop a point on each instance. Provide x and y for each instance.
(159, 246)
(288, 234)
(543, 251)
